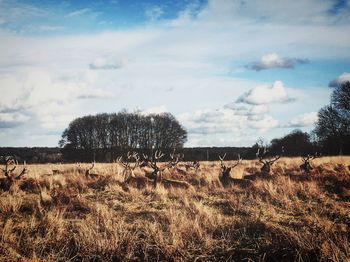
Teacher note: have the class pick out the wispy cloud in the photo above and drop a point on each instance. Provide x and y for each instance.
(154, 13)
(78, 12)
(273, 60)
(50, 28)
(103, 63)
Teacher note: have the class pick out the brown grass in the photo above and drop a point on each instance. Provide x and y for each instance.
(289, 217)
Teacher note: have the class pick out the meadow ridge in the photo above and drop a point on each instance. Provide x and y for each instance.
(286, 216)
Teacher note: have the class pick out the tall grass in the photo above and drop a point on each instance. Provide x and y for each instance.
(291, 216)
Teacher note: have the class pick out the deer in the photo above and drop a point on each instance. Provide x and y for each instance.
(156, 174)
(174, 160)
(267, 163)
(11, 164)
(306, 166)
(128, 171)
(225, 177)
(88, 173)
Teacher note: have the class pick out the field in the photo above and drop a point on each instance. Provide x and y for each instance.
(288, 216)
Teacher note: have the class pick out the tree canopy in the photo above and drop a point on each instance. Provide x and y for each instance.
(118, 132)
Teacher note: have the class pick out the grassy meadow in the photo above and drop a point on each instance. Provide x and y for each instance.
(288, 216)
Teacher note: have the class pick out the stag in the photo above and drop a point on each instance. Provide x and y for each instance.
(225, 177)
(267, 163)
(89, 174)
(174, 159)
(128, 171)
(11, 164)
(156, 174)
(306, 166)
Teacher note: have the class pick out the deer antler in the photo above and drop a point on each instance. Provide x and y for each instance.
(9, 160)
(239, 160)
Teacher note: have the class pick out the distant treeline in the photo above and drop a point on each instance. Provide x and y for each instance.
(54, 154)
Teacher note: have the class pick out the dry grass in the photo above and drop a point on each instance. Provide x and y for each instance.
(289, 217)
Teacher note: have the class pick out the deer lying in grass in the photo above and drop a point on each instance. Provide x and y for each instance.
(225, 177)
(267, 163)
(156, 174)
(11, 164)
(89, 174)
(128, 171)
(173, 164)
(306, 166)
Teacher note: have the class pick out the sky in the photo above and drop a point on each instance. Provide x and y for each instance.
(229, 71)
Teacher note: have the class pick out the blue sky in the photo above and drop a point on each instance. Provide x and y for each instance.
(230, 71)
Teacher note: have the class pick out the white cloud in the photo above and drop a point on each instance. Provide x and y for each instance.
(2, 21)
(303, 120)
(264, 94)
(45, 96)
(259, 110)
(210, 127)
(103, 63)
(273, 60)
(345, 77)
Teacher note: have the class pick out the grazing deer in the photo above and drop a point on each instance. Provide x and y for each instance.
(267, 163)
(11, 163)
(225, 177)
(88, 173)
(306, 166)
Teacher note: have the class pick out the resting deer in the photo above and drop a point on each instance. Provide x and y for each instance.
(173, 163)
(306, 166)
(267, 163)
(11, 163)
(225, 177)
(157, 177)
(88, 173)
(129, 177)
(128, 171)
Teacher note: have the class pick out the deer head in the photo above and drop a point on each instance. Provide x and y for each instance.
(174, 159)
(88, 170)
(128, 168)
(11, 163)
(156, 175)
(225, 170)
(267, 163)
(306, 166)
